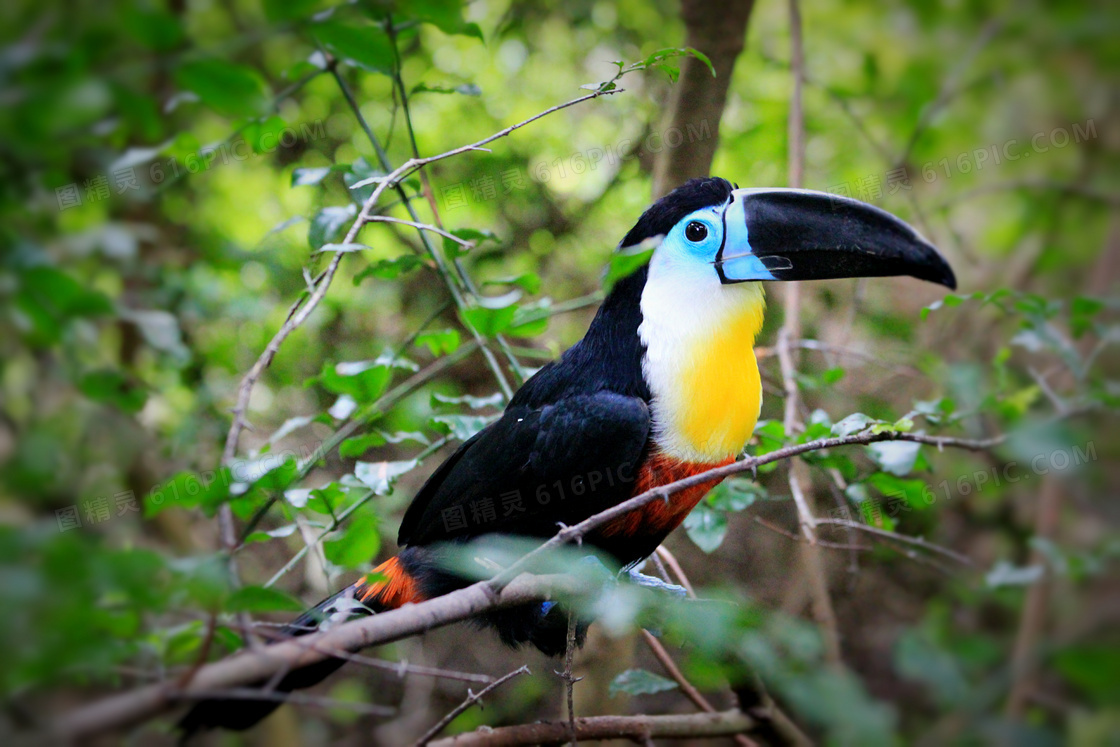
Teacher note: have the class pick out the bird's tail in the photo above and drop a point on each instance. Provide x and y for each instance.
(389, 586)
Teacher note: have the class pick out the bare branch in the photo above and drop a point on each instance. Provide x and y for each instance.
(256, 665)
(566, 675)
(472, 698)
(638, 728)
(902, 538)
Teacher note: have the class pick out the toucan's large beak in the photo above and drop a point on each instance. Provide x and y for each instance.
(799, 234)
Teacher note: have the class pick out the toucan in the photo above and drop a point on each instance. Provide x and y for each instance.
(663, 385)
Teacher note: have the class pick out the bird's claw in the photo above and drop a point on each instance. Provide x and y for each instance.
(652, 582)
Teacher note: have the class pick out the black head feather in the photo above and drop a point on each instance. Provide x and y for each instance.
(668, 211)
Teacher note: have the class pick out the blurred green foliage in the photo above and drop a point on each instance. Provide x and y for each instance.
(173, 176)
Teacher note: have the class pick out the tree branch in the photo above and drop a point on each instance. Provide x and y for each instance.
(253, 666)
(638, 728)
(472, 698)
(503, 590)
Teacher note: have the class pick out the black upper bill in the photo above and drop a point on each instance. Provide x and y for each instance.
(807, 235)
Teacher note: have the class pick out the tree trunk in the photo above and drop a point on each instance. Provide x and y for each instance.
(697, 100)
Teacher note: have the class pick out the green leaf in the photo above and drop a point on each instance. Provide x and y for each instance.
(390, 269)
(453, 249)
(467, 89)
(358, 43)
(935, 411)
(624, 262)
(160, 329)
(263, 536)
(706, 527)
(380, 476)
(113, 388)
(702, 57)
(640, 682)
(460, 427)
(262, 599)
(288, 10)
(188, 490)
(358, 544)
(896, 457)
(911, 491)
(361, 180)
(446, 15)
(527, 323)
(328, 224)
(263, 135)
(439, 342)
(916, 657)
(227, 88)
(47, 299)
(307, 177)
(358, 445)
(1093, 669)
(475, 403)
(1082, 310)
(155, 28)
(771, 435)
(493, 315)
(530, 282)
(855, 423)
(365, 381)
(735, 494)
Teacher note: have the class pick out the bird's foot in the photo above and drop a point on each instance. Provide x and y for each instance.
(652, 582)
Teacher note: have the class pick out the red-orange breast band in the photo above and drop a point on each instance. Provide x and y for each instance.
(396, 589)
(657, 516)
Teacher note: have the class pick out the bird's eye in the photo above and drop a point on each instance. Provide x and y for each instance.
(696, 231)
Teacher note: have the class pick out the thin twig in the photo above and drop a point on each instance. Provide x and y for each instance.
(798, 538)
(472, 698)
(566, 675)
(902, 538)
(686, 687)
(422, 227)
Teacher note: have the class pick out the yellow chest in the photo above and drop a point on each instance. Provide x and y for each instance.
(706, 385)
(722, 391)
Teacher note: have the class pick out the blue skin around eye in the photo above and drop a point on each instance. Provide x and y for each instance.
(739, 263)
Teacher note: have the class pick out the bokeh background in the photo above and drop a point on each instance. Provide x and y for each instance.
(169, 173)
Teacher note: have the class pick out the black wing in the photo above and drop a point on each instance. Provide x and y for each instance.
(532, 468)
